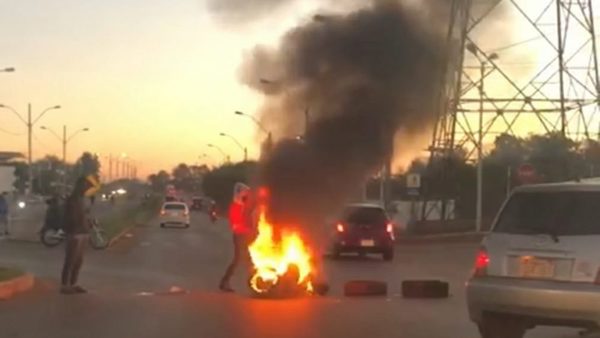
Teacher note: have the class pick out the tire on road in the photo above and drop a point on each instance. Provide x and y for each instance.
(361, 288)
(425, 289)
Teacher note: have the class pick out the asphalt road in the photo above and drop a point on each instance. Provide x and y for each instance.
(129, 293)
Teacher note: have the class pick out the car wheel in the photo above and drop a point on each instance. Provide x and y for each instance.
(388, 255)
(162, 225)
(187, 226)
(499, 327)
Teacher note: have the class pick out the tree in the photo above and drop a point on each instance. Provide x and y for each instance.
(87, 164)
(159, 181)
(182, 177)
(218, 183)
(22, 176)
(47, 175)
(554, 157)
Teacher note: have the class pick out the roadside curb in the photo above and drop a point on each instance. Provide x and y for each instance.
(12, 287)
(469, 237)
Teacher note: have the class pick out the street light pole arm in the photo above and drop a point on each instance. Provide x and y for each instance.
(14, 112)
(76, 133)
(234, 140)
(53, 133)
(43, 113)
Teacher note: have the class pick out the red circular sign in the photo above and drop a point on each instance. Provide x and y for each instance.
(526, 173)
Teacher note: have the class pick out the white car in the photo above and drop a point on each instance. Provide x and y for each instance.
(540, 265)
(174, 213)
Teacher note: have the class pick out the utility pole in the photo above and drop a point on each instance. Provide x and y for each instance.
(29, 148)
(479, 205)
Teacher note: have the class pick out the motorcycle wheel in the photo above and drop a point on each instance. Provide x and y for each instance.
(50, 237)
(98, 239)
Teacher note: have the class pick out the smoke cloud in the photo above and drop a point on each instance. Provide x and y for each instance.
(362, 77)
(239, 11)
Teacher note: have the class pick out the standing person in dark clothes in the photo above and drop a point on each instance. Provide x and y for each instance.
(77, 229)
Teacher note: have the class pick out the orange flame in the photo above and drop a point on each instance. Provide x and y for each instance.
(273, 258)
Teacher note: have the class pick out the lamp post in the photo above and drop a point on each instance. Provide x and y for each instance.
(29, 122)
(225, 156)
(64, 140)
(269, 142)
(483, 64)
(244, 149)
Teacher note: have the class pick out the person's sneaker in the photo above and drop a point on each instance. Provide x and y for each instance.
(79, 289)
(67, 290)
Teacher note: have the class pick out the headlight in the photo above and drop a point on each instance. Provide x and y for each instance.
(21, 204)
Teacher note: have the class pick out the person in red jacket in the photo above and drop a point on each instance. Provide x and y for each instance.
(242, 227)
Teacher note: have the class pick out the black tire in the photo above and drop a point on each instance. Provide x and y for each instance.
(501, 327)
(162, 225)
(187, 226)
(361, 288)
(388, 255)
(321, 288)
(425, 289)
(49, 238)
(98, 239)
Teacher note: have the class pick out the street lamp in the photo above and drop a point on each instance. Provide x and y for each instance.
(472, 48)
(29, 123)
(64, 140)
(7, 70)
(220, 150)
(244, 149)
(269, 142)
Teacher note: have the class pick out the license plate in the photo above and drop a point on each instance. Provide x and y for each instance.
(367, 243)
(532, 267)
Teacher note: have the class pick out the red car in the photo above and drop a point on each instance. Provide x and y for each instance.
(363, 229)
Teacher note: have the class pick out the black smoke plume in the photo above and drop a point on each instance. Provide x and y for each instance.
(362, 76)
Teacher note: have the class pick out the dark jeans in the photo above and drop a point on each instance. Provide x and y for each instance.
(240, 252)
(75, 248)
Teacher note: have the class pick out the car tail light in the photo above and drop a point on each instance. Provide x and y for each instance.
(481, 263)
(389, 228)
(597, 280)
(340, 227)
(162, 212)
(185, 213)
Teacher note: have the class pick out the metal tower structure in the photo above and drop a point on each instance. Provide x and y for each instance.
(518, 67)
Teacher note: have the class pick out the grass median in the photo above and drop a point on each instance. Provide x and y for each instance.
(10, 273)
(115, 224)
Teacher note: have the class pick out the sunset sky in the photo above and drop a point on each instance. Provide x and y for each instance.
(156, 79)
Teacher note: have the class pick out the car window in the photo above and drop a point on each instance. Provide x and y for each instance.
(174, 207)
(360, 215)
(562, 213)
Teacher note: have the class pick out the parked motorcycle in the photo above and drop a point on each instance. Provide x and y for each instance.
(52, 237)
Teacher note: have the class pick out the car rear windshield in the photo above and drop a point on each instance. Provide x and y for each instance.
(174, 207)
(365, 215)
(560, 213)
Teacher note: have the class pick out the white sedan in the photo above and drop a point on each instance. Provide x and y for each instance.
(174, 213)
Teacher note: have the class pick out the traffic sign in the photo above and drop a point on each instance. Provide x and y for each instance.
(526, 173)
(413, 181)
